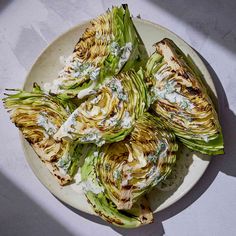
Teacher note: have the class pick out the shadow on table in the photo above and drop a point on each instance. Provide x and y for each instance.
(213, 18)
(20, 215)
(222, 163)
(4, 4)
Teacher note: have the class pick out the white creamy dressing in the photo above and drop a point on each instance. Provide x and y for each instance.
(68, 126)
(111, 121)
(80, 69)
(77, 177)
(95, 154)
(89, 185)
(77, 185)
(93, 136)
(126, 51)
(87, 70)
(44, 122)
(64, 163)
(115, 85)
(90, 134)
(187, 119)
(115, 48)
(153, 174)
(162, 153)
(63, 171)
(116, 174)
(54, 87)
(94, 74)
(94, 111)
(85, 186)
(87, 91)
(104, 112)
(91, 130)
(96, 100)
(152, 158)
(117, 88)
(126, 121)
(170, 94)
(142, 184)
(123, 96)
(205, 137)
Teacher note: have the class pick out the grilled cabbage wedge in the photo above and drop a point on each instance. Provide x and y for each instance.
(38, 116)
(139, 215)
(115, 124)
(130, 168)
(179, 97)
(109, 115)
(111, 44)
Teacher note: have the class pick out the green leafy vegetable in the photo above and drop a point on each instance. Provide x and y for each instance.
(179, 97)
(130, 168)
(140, 214)
(107, 119)
(109, 115)
(111, 44)
(39, 116)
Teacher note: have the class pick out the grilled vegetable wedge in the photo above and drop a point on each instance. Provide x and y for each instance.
(130, 168)
(39, 116)
(139, 215)
(109, 45)
(109, 115)
(179, 97)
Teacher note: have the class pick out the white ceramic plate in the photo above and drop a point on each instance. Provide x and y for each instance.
(191, 166)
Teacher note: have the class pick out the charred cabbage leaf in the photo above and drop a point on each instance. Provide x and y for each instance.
(139, 215)
(130, 168)
(179, 96)
(39, 116)
(109, 45)
(109, 115)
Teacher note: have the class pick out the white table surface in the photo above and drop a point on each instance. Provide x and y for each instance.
(27, 27)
